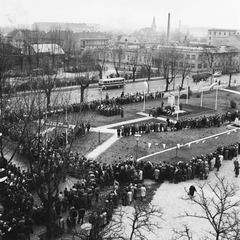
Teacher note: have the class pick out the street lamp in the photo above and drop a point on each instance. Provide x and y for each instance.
(137, 140)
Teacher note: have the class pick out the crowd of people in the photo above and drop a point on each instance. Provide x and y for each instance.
(124, 177)
(172, 125)
(110, 110)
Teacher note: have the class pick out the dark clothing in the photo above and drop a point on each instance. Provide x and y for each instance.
(192, 189)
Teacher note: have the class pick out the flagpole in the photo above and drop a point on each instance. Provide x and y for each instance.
(216, 98)
(187, 89)
(178, 104)
(66, 132)
(201, 97)
(144, 104)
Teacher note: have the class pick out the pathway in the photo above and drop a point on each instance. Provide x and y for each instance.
(107, 129)
(231, 91)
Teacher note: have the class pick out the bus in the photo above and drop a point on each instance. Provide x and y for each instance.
(111, 83)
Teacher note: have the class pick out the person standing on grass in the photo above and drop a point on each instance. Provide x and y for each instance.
(143, 192)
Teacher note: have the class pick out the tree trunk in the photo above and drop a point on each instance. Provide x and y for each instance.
(49, 218)
(182, 82)
(134, 74)
(167, 84)
(82, 94)
(116, 68)
(230, 79)
(21, 63)
(48, 95)
(149, 72)
(100, 74)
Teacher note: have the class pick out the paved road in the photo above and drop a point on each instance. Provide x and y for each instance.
(73, 94)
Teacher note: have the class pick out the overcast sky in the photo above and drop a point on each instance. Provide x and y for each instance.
(134, 14)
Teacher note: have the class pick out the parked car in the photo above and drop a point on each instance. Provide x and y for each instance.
(217, 74)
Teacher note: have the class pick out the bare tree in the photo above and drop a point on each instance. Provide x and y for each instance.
(117, 54)
(229, 55)
(47, 80)
(86, 71)
(184, 69)
(133, 63)
(141, 220)
(209, 56)
(169, 59)
(9, 114)
(184, 233)
(219, 209)
(100, 55)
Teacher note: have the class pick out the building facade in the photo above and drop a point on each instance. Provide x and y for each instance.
(218, 37)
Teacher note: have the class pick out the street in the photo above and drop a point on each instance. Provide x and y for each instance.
(73, 94)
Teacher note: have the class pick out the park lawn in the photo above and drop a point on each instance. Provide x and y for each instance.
(127, 146)
(87, 143)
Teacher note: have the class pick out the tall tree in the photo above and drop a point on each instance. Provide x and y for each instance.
(169, 58)
(209, 56)
(133, 63)
(229, 55)
(87, 71)
(117, 54)
(100, 55)
(8, 111)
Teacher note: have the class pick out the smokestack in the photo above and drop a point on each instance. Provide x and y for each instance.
(168, 29)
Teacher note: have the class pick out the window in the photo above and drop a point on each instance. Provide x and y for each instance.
(220, 33)
(192, 65)
(224, 33)
(209, 38)
(214, 33)
(205, 65)
(188, 56)
(210, 33)
(200, 57)
(199, 66)
(193, 57)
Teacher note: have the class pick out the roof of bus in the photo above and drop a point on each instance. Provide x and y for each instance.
(109, 79)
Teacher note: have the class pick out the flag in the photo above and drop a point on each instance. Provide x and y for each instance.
(149, 145)
(164, 145)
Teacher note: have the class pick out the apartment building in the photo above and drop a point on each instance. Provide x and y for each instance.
(219, 37)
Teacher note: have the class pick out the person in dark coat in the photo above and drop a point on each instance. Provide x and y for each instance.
(191, 191)
(236, 168)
